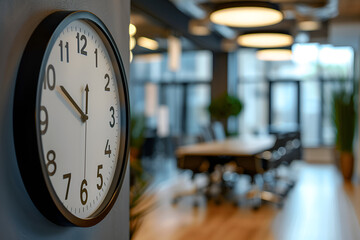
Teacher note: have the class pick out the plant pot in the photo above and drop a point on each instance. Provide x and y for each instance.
(347, 165)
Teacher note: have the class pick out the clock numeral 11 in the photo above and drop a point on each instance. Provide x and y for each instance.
(61, 50)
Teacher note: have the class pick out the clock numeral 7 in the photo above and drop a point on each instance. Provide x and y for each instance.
(51, 164)
(61, 50)
(81, 38)
(68, 176)
(99, 186)
(107, 148)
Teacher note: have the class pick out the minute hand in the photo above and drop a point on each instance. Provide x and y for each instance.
(84, 117)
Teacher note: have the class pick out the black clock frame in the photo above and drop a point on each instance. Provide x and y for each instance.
(26, 117)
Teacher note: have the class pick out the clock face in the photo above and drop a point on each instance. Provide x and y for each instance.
(79, 119)
(72, 156)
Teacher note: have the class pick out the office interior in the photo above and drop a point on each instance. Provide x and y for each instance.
(189, 176)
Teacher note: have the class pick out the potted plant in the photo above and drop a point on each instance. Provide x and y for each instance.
(344, 119)
(224, 106)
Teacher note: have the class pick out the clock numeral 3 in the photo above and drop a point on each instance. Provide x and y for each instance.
(43, 122)
(51, 164)
(68, 176)
(107, 89)
(61, 50)
(50, 82)
(81, 38)
(107, 148)
(83, 192)
(99, 186)
(112, 122)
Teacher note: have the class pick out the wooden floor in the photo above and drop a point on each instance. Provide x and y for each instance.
(320, 207)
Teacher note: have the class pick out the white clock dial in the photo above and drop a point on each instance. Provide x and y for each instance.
(80, 119)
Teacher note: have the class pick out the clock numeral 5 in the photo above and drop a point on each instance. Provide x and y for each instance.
(50, 82)
(68, 176)
(107, 148)
(51, 164)
(81, 38)
(61, 50)
(83, 192)
(99, 186)
(45, 122)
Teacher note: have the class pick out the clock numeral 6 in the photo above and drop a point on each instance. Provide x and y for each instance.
(50, 80)
(112, 122)
(43, 123)
(51, 164)
(107, 148)
(83, 192)
(68, 176)
(81, 38)
(99, 186)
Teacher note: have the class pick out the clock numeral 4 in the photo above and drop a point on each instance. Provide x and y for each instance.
(83, 192)
(107, 77)
(43, 123)
(51, 164)
(107, 148)
(68, 176)
(61, 51)
(99, 175)
(82, 39)
(50, 80)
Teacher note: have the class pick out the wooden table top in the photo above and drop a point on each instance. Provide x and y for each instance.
(240, 146)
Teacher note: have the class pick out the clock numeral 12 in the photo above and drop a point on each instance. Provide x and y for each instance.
(81, 39)
(61, 50)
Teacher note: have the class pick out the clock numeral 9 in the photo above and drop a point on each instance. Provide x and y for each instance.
(80, 39)
(107, 148)
(107, 89)
(61, 50)
(51, 164)
(50, 82)
(112, 122)
(44, 122)
(99, 186)
(83, 192)
(68, 176)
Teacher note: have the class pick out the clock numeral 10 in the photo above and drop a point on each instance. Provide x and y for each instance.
(51, 164)
(83, 192)
(81, 38)
(107, 148)
(50, 80)
(61, 50)
(68, 176)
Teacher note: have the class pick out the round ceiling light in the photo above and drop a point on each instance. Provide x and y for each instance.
(265, 40)
(274, 54)
(246, 14)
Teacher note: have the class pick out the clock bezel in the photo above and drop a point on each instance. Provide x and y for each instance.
(27, 138)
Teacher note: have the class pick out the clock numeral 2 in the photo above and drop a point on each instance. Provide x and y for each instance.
(81, 38)
(61, 50)
(51, 156)
(107, 148)
(107, 89)
(50, 82)
(83, 192)
(43, 122)
(68, 176)
(99, 186)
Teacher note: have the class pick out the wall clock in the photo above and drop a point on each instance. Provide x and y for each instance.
(71, 118)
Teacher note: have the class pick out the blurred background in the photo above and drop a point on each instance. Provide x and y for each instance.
(244, 124)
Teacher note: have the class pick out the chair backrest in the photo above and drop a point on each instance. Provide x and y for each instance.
(207, 134)
(218, 130)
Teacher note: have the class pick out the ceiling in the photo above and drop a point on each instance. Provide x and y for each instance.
(157, 19)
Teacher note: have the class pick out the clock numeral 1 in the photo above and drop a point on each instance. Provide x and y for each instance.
(81, 38)
(50, 82)
(61, 50)
(68, 176)
(51, 164)
(96, 57)
(112, 122)
(43, 122)
(107, 89)
(107, 148)
(83, 192)
(99, 186)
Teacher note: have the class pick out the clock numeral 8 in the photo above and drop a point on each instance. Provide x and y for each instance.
(83, 192)
(51, 164)
(50, 82)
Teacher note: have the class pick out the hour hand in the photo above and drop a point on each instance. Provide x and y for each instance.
(83, 116)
